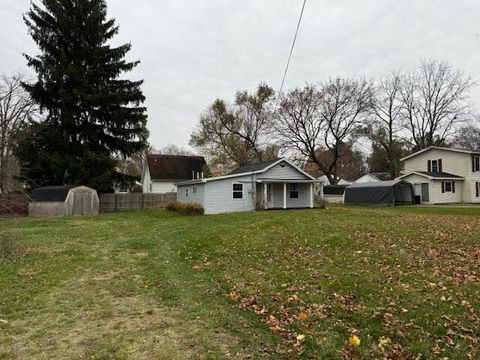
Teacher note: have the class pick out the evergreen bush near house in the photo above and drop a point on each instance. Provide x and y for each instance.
(91, 112)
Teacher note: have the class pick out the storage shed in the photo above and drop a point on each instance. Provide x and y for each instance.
(393, 192)
(56, 201)
(334, 193)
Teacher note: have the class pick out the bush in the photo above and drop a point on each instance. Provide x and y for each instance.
(185, 209)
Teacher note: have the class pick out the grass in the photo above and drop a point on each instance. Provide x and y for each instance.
(160, 285)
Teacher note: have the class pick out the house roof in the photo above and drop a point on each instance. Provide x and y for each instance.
(253, 167)
(334, 189)
(434, 175)
(174, 167)
(50, 193)
(465, 151)
(261, 168)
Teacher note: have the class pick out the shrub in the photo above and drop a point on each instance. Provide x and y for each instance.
(186, 209)
(259, 205)
(172, 206)
(320, 203)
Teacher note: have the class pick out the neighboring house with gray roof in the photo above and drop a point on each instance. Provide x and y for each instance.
(276, 184)
(443, 175)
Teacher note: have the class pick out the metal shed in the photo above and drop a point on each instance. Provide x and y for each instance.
(393, 192)
(56, 201)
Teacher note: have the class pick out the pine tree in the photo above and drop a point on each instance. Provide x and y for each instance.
(91, 112)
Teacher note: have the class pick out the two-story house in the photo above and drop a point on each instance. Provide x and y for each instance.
(443, 175)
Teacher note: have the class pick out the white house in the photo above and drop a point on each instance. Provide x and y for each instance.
(276, 184)
(444, 175)
(160, 173)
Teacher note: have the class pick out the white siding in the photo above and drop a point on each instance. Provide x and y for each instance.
(303, 197)
(334, 199)
(437, 197)
(198, 197)
(455, 163)
(161, 187)
(219, 195)
(452, 162)
(435, 190)
(282, 173)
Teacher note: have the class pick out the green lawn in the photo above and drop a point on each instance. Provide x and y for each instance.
(147, 285)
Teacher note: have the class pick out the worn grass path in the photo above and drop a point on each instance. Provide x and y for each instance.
(280, 284)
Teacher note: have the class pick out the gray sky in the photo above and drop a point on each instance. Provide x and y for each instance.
(193, 51)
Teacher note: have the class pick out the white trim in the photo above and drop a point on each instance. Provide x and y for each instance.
(464, 151)
(284, 195)
(288, 162)
(311, 195)
(265, 196)
(205, 180)
(237, 191)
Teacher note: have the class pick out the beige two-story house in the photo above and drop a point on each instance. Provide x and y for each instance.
(443, 175)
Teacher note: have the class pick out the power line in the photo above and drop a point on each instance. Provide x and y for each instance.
(293, 45)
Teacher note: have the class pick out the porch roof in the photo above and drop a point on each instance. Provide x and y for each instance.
(288, 181)
(434, 176)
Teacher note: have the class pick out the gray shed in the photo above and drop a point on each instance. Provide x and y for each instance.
(393, 192)
(56, 201)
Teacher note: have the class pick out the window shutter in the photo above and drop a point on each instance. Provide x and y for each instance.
(473, 163)
(443, 186)
(453, 186)
(440, 165)
(429, 165)
(477, 189)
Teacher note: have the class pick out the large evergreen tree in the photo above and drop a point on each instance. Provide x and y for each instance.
(91, 113)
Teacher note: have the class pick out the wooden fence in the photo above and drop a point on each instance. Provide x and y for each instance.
(131, 202)
(14, 205)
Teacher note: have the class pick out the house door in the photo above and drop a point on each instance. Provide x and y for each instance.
(269, 195)
(425, 193)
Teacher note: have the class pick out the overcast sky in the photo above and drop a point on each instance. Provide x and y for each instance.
(193, 51)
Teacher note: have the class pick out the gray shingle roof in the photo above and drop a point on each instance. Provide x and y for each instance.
(253, 167)
(439, 174)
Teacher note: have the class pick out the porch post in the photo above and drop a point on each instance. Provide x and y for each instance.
(265, 196)
(311, 195)
(284, 195)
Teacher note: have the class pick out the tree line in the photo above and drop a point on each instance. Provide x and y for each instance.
(319, 124)
(80, 121)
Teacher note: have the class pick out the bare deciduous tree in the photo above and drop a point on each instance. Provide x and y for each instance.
(325, 117)
(385, 127)
(237, 134)
(16, 107)
(434, 101)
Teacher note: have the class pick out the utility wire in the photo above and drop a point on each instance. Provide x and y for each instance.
(293, 45)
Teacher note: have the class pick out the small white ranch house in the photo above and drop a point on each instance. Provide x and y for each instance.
(444, 175)
(276, 184)
(160, 173)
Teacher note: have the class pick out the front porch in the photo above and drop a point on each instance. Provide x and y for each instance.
(285, 194)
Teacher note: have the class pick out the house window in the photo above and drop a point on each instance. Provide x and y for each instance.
(448, 186)
(194, 190)
(435, 166)
(238, 191)
(293, 191)
(186, 192)
(477, 163)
